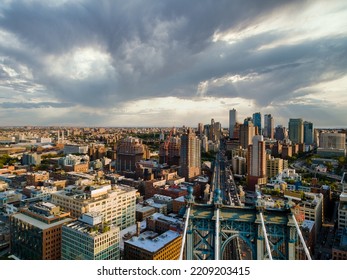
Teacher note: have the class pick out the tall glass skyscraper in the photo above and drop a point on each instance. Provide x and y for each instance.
(232, 122)
(296, 130)
(257, 121)
(308, 133)
(268, 126)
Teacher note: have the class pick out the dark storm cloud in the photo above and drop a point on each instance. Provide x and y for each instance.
(103, 54)
(279, 73)
(55, 28)
(156, 48)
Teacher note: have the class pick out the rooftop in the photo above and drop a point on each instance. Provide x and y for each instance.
(95, 193)
(180, 198)
(308, 225)
(37, 223)
(129, 231)
(141, 208)
(88, 229)
(150, 242)
(162, 217)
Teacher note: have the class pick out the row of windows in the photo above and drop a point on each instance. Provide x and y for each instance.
(74, 238)
(73, 253)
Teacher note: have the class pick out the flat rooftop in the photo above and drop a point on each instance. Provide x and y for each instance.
(147, 240)
(143, 209)
(131, 230)
(85, 228)
(39, 224)
(308, 224)
(79, 194)
(162, 217)
(180, 198)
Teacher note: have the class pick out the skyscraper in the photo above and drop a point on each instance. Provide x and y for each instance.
(308, 133)
(280, 133)
(247, 131)
(257, 121)
(296, 130)
(200, 129)
(190, 160)
(169, 152)
(256, 162)
(268, 126)
(232, 122)
(214, 131)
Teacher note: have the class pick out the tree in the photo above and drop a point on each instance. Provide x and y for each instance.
(7, 160)
(341, 160)
(302, 195)
(329, 166)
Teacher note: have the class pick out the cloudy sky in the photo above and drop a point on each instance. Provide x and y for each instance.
(172, 63)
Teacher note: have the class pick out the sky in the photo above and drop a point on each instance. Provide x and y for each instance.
(172, 63)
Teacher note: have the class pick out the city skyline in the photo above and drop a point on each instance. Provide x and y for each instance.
(140, 64)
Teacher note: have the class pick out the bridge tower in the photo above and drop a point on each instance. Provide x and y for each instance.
(215, 231)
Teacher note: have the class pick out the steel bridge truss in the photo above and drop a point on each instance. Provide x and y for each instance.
(202, 234)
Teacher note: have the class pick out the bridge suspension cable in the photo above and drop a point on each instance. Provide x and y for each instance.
(307, 252)
(265, 235)
(216, 245)
(184, 233)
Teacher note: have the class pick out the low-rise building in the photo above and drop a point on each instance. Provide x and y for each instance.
(177, 204)
(9, 197)
(312, 208)
(163, 199)
(3, 186)
(41, 192)
(151, 246)
(339, 250)
(31, 159)
(142, 212)
(160, 223)
(308, 231)
(37, 178)
(75, 149)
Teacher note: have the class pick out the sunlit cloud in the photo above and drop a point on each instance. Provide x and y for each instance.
(114, 63)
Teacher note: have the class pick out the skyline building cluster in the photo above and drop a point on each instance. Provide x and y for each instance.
(123, 193)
